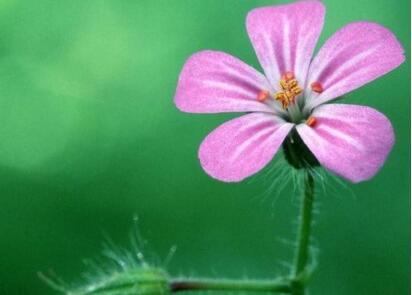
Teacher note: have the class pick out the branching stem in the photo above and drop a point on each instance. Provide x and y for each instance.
(294, 285)
(282, 286)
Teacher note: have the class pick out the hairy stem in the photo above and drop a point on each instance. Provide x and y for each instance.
(282, 286)
(294, 285)
(303, 239)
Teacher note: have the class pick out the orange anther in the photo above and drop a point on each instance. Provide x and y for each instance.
(316, 87)
(293, 83)
(289, 89)
(284, 84)
(263, 95)
(280, 96)
(288, 76)
(297, 90)
(311, 121)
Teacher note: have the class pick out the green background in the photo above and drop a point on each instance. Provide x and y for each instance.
(90, 137)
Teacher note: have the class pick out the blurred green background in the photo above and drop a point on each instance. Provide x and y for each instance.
(89, 137)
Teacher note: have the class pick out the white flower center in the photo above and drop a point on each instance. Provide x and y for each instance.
(287, 97)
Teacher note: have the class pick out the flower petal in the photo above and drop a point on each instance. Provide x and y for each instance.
(349, 140)
(285, 36)
(215, 82)
(242, 146)
(355, 55)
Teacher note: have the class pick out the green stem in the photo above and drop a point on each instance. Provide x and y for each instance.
(282, 286)
(303, 240)
(294, 285)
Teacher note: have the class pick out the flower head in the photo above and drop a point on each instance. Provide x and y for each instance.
(289, 99)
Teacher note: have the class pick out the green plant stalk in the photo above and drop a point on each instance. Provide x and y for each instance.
(304, 231)
(282, 286)
(294, 285)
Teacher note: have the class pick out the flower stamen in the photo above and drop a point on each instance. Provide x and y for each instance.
(288, 76)
(290, 90)
(263, 95)
(311, 121)
(316, 87)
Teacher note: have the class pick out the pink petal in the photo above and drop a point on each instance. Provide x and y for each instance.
(349, 140)
(214, 82)
(355, 55)
(285, 36)
(242, 146)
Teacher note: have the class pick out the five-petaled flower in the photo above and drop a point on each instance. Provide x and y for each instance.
(349, 140)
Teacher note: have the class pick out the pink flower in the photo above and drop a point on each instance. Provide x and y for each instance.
(349, 140)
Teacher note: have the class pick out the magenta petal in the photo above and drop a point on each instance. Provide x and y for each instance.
(285, 36)
(242, 146)
(349, 140)
(355, 55)
(214, 82)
